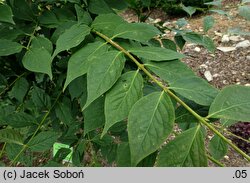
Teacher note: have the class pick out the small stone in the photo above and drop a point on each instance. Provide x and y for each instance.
(226, 157)
(208, 76)
(235, 38)
(216, 75)
(166, 24)
(203, 66)
(248, 84)
(225, 39)
(238, 83)
(225, 82)
(167, 31)
(226, 49)
(157, 21)
(248, 57)
(234, 72)
(218, 33)
(243, 44)
(210, 137)
(197, 49)
(190, 44)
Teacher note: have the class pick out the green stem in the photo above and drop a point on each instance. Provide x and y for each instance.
(2, 150)
(202, 120)
(230, 133)
(215, 161)
(12, 83)
(25, 146)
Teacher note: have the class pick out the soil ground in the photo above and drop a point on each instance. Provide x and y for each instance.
(226, 68)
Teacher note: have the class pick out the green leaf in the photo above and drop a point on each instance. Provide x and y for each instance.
(38, 60)
(12, 150)
(19, 89)
(43, 141)
(141, 32)
(186, 150)
(94, 115)
(71, 37)
(170, 71)
(208, 23)
(40, 99)
(217, 147)
(60, 30)
(119, 100)
(20, 119)
(148, 161)
(78, 153)
(179, 41)
(195, 89)
(82, 15)
(79, 62)
(227, 122)
(11, 136)
(193, 38)
(208, 43)
(42, 42)
(123, 155)
(185, 119)
(8, 47)
(117, 4)
(99, 7)
(64, 113)
(244, 11)
(215, 3)
(22, 10)
(189, 9)
(102, 74)
(105, 23)
(6, 14)
(221, 12)
(181, 22)
(245, 1)
(156, 53)
(150, 121)
(10, 34)
(199, 39)
(233, 102)
(5, 110)
(77, 87)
